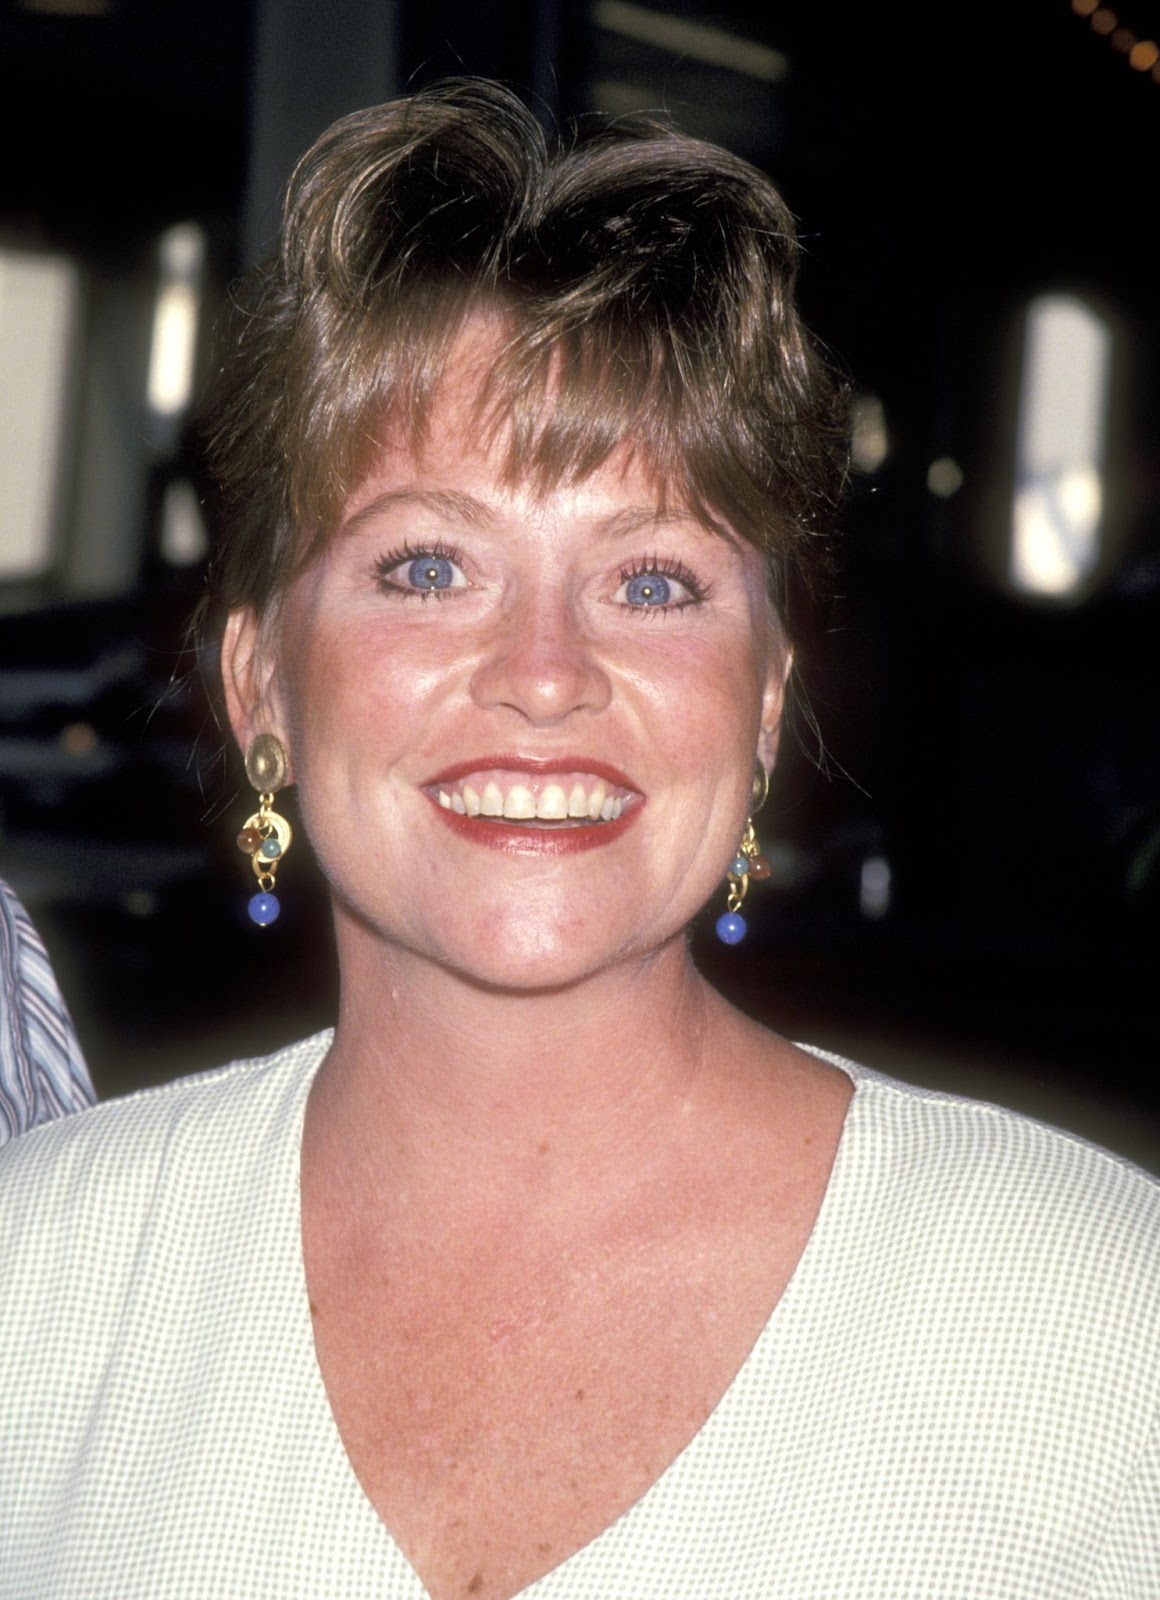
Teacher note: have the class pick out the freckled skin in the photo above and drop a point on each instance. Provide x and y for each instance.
(539, 1147)
(534, 649)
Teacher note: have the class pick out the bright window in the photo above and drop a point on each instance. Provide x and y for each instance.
(1059, 462)
(38, 308)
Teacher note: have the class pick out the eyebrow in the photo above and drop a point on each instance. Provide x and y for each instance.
(449, 503)
(455, 505)
(631, 520)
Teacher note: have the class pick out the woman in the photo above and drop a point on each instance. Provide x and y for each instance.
(549, 1272)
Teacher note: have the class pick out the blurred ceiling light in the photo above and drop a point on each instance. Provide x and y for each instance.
(944, 478)
(1124, 40)
(1144, 55)
(870, 442)
(614, 98)
(1104, 20)
(1059, 451)
(79, 738)
(184, 541)
(714, 46)
(874, 885)
(175, 313)
(1084, 8)
(67, 8)
(39, 298)
(141, 902)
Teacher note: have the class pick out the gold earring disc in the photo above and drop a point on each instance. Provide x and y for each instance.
(266, 765)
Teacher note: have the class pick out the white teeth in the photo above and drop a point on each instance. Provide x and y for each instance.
(552, 806)
(533, 800)
(520, 804)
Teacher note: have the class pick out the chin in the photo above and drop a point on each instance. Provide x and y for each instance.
(517, 941)
(530, 957)
(531, 960)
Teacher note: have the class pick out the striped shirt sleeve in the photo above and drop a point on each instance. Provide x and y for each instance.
(42, 1071)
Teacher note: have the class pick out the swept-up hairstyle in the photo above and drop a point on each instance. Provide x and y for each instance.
(641, 283)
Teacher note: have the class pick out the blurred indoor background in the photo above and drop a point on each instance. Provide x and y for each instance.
(966, 888)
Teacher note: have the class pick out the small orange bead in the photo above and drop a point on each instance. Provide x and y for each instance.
(758, 867)
(248, 840)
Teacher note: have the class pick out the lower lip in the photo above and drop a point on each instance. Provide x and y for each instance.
(514, 840)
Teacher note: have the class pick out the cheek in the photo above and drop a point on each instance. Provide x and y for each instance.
(705, 698)
(352, 686)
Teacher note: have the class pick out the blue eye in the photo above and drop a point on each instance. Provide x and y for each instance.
(415, 571)
(431, 572)
(648, 589)
(659, 587)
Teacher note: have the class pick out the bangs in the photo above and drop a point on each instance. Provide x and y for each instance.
(554, 406)
(640, 285)
(557, 397)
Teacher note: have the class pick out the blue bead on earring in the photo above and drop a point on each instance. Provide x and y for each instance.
(265, 837)
(747, 863)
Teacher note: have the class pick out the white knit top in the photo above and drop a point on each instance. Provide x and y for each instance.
(955, 1399)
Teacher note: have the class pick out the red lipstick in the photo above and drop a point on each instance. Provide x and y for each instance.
(521, 839)
(525, 837)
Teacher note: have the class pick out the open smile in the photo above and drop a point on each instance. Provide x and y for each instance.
(565, 797)
(540, 807)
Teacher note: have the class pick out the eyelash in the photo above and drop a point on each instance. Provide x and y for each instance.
(391, 561)
(668, 567)
(643, 567)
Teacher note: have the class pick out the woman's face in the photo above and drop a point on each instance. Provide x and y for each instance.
(602, 675)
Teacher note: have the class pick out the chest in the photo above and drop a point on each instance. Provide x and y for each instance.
(498, 1421)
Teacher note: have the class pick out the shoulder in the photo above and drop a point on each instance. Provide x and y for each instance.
(999, 1217)
(113, 1217)
(973, 1334)
(147, 1247)
(118, 1156)
(970, 1146)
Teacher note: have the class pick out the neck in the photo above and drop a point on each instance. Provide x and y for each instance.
(447, 1084)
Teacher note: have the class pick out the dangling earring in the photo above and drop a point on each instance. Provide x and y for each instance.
(747, 863)
(266, 836)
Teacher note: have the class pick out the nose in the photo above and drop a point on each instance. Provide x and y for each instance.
(540, 663)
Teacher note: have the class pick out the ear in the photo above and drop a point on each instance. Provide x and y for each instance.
(773, 704)
(249, 680)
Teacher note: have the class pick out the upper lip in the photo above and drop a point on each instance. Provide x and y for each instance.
(532, 764)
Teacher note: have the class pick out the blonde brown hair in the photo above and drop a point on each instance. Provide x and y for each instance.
(643, 285)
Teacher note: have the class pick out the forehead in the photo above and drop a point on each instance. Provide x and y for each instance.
(467, 438)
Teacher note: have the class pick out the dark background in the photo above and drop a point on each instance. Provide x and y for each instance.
(998, 754)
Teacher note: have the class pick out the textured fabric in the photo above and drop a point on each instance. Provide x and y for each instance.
(955, 1399)
(42, 1071)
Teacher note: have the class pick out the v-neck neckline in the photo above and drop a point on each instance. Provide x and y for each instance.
(666, 1486)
